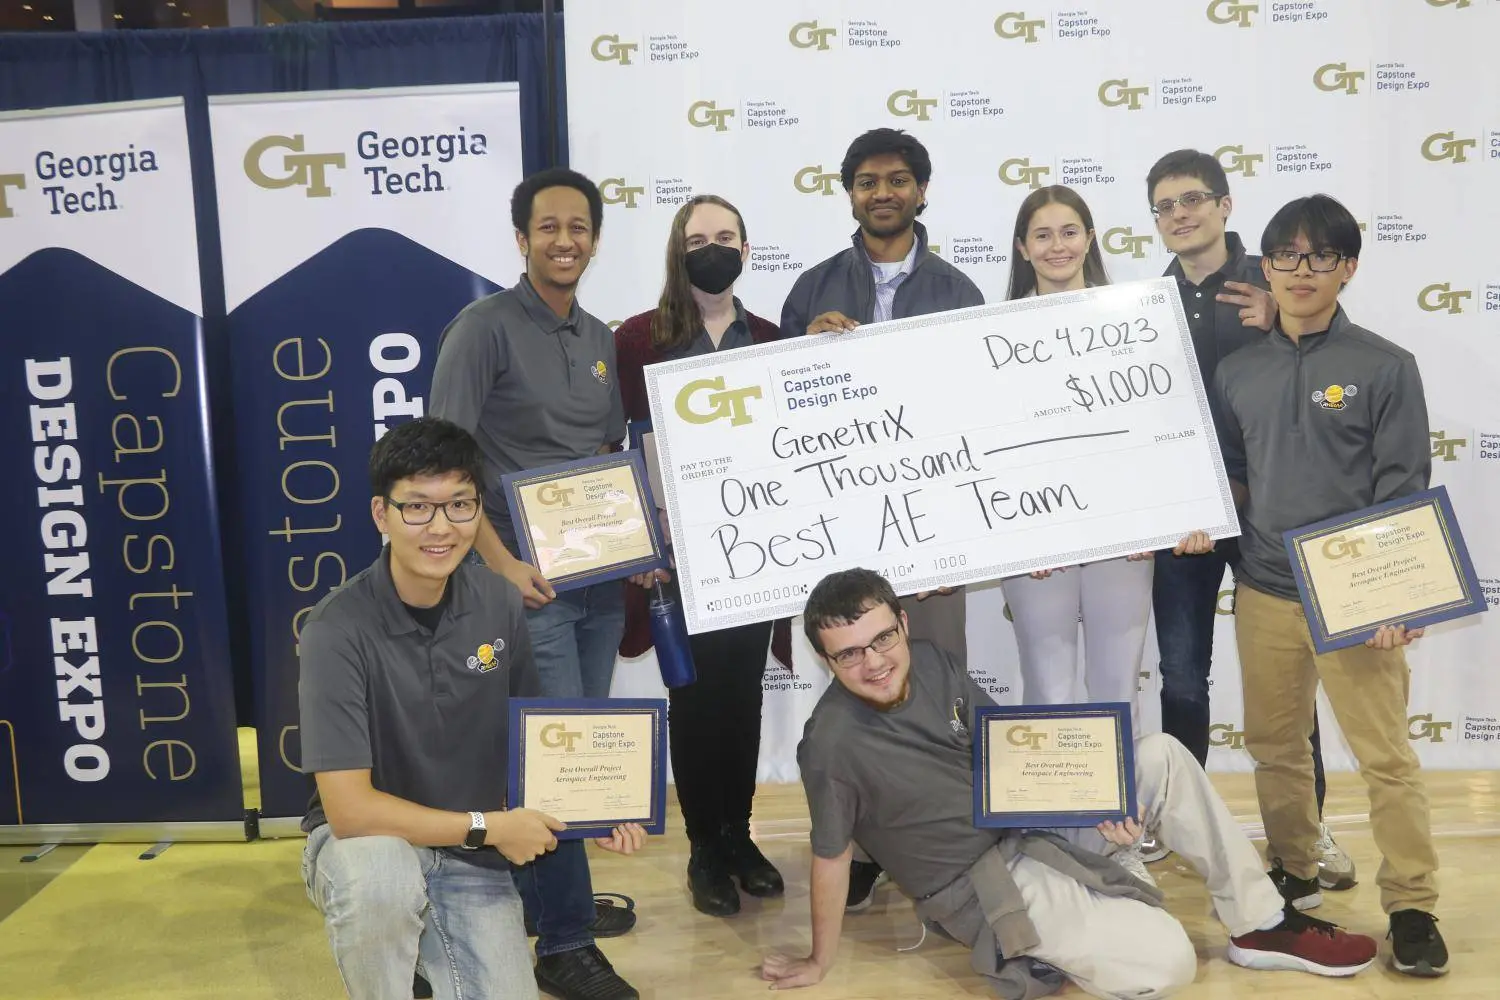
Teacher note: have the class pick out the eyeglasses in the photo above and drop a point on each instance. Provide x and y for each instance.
(1189, 201)
(460, 511)
(1318, 260)
(846, 659)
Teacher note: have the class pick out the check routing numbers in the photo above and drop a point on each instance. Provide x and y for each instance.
(956, 437)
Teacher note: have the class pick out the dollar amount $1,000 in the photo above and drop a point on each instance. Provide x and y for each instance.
(1119, 386)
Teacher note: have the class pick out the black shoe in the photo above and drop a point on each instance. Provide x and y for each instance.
(757, 876)
(1417, 948)
(1303, 893)
(582, 974)
(708, 880)
(610, 920)
(864, 876)
(421, 989)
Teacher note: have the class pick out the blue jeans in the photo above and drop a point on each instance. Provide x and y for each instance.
(574, 639)
(392, 908)
(1185, 598)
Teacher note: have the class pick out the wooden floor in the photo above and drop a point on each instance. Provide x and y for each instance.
(678, 953)
(232, 921)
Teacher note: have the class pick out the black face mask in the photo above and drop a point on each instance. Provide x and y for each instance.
(714, 267)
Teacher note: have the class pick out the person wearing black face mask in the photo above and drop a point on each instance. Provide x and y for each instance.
(714, 723)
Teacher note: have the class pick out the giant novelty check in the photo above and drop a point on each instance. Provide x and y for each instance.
(938, 450)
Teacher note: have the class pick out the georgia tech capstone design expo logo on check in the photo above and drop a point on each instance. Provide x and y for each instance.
(717, 402)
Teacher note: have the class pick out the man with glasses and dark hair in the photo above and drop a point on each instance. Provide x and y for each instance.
(407, 673)
(1228, 306)
(533, 376)
(887, 273)
(887, 758)
(1324, 418)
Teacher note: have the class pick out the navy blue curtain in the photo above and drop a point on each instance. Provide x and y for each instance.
(53, 70)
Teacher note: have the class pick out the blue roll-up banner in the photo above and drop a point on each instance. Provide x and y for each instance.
(355, 226)
(116, 700)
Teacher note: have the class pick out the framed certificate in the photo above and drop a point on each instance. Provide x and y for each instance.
(587, 521)
(640, 437)
(592, 763)
(1403, 562)
(1053, 765)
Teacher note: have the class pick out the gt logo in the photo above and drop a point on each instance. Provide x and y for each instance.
(906, 103)
(1223, 735)
(1232, 12)
(1113, 93)
(812, 180)
(1338, 76)
(1020, 171)
(1241, 162)
(1443, 146)
(609, 48)
(555, 496)
(309, 170)
(722, 402)
(1427, 730)
(703, 114)
(1442, 297)
(1455, 4)
(1123, 241)
(557, 734)
(1340, 547)
(17, 181)
(613, 191)
(1022, 736)
(1015, 25)
(807, 35)
(1445, 448)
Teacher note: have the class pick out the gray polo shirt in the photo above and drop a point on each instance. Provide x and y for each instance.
(534, 389)
(737, 335)
(427, 713)
(1326, 426)
(901, 782)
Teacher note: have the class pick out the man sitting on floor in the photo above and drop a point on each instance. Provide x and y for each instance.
(886, 760)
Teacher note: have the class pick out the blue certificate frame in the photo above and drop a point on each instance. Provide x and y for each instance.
(655, 821)
(1325, 638)
(1121, 757)
(633, 461)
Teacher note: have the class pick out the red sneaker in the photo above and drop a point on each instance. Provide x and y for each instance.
(1303, 944)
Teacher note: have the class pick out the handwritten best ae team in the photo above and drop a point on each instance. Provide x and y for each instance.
(422, 872)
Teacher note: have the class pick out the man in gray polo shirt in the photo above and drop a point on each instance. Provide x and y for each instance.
(533, 377)
(407, 673)
(887, 757)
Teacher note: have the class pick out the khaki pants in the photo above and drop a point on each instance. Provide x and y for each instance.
(1367, 688)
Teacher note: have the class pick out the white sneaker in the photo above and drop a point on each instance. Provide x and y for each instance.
(1335, 868)
(1129, 858)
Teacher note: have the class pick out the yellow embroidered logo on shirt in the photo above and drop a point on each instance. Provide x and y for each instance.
(484, 659)
(1333, 397)
(601, 373)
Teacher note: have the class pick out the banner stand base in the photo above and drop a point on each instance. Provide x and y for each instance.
(275, 827)
(121, 833)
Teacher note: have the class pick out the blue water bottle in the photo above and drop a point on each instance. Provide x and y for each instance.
(670, 637)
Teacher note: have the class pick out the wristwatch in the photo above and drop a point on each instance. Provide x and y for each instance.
(475, 840)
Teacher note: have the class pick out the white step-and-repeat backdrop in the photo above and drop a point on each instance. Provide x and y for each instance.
(1392, 107)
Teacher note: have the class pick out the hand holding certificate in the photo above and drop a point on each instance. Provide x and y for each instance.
(587, 521)
(1398, 565)
(593, 764)
(1053, 765)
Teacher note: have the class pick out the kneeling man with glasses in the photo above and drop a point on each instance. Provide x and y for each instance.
(407, 673)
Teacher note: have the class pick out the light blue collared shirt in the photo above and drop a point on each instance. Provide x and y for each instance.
(888, 278)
